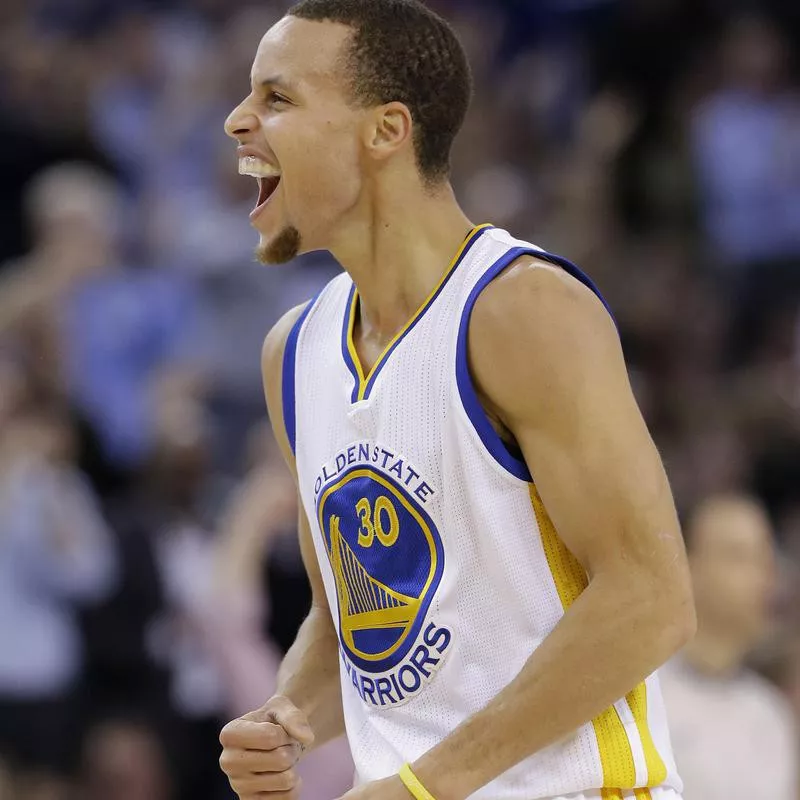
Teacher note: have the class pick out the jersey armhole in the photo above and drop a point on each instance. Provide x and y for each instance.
(289, 374)
(475, 411)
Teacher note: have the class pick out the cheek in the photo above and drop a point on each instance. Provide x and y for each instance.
(330, 166)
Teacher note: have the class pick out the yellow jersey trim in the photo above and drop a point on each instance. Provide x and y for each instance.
(656, 768)
(365, 380)
(616, 754)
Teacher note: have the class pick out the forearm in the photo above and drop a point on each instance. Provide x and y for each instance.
(309, 676)
(607, 643)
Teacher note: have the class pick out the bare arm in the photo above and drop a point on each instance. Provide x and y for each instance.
(309, 675)
(547, 359)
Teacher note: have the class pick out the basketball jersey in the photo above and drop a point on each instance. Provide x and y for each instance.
(442, 568)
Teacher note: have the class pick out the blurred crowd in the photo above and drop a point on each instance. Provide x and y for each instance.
(149, 572)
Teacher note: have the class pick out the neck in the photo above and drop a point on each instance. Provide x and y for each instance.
(397, 253)
(715, 653)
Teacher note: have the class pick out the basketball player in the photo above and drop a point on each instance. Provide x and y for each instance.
(495, 558)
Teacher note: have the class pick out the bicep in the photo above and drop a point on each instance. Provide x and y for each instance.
(602, 481)
(551, 362)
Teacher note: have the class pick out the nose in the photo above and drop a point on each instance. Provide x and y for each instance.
(241, 121)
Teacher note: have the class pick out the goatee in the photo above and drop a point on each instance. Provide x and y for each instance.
(285, 247)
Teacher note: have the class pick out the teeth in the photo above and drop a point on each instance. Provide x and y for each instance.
(256, 168)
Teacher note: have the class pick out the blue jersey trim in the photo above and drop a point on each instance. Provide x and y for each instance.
(469, 397)
(288, 378)
(576, 273)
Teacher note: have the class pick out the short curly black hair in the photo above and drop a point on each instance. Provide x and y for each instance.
(401, 51)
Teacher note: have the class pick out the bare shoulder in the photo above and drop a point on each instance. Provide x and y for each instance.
(536, 333)
(272, 370)
(275, 341)
(540, 297)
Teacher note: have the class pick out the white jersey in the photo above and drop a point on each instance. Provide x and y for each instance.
(442, 568)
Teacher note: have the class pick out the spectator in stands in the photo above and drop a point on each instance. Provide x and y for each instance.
(183, 488)
(109, 329)
(733, 734)
(746, 139)
(123, 760)
(66, 207)
(55, 554)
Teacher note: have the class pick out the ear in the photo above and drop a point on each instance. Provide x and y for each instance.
(390, 130)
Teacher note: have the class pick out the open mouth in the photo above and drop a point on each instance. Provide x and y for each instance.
(266, 188)
(267, 175)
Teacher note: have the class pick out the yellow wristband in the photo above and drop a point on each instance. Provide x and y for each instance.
(412, 783)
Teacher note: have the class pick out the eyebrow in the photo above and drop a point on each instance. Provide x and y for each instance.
(279, 82)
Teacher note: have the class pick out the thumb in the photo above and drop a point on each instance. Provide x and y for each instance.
(285, 713)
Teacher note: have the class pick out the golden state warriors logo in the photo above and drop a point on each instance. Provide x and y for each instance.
(387, 561)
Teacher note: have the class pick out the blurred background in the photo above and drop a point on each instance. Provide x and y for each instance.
(149, 573)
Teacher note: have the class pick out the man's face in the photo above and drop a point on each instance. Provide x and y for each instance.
(734, 570)
(300, 137)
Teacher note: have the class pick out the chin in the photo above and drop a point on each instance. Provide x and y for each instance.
(280, 249)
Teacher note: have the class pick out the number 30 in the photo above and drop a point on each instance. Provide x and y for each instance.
(372, 522)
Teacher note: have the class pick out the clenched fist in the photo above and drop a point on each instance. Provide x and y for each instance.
(260, 750)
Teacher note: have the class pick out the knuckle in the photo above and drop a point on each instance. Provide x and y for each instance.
(269, 736)
(275, 782)
(286, 780)
(228, 763)
(294, 794)
(228, 733)
(285, 758)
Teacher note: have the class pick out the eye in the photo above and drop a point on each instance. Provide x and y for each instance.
(274, 99)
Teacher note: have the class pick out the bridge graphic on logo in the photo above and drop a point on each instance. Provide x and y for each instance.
(365, 603)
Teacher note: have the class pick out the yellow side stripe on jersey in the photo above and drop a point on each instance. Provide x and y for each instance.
(569, 576)
(656, 768)
(617, 794)
(616, 755)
